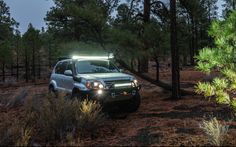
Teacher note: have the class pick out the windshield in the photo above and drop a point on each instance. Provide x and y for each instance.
(95, 66)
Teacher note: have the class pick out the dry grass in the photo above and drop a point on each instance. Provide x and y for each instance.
(215, 131)
(51, 120)
(91, 117)
(56, 117)
(14, 131)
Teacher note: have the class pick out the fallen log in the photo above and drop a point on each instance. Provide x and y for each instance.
(152, 81)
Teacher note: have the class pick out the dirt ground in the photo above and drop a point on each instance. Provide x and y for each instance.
(159, 121)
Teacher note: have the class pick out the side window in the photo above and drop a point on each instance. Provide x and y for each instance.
(58, 68)
(61, 67)
(70, 66)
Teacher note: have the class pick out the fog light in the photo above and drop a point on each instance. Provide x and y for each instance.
(134, 92)
(100, 92)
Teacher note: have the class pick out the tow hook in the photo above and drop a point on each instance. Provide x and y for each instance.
(139, 87)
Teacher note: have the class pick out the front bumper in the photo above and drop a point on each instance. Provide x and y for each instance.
(107, 96)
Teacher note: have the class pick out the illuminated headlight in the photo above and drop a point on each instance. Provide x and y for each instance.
(100, 86)
(135, 82)
(94, 85)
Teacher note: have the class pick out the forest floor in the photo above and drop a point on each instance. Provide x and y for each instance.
(159, 121)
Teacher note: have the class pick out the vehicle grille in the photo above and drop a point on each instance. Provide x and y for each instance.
(110, 84)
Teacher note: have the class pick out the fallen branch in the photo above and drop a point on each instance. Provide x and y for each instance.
(152, 81)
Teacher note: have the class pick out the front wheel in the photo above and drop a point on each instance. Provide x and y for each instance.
(134, 103)
(76, 93)
(51, 90)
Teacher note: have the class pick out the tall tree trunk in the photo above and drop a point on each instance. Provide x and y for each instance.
(49, 55)
(174, 53)
(132, 64)
(39, 68)
(192, 49)
(3, 71)
(33, 64)
(157, 70)
(143, 64)
(196, 38)
(234, 4)
(12, 69)
(144, 61)
(17, 60)
(26, 67)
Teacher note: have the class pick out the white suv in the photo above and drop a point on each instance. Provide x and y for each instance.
(96, 78)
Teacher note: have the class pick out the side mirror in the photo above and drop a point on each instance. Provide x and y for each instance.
(121, 70)
(68, 73)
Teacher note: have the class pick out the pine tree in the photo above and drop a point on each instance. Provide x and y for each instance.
(220, 59)
(7, 25)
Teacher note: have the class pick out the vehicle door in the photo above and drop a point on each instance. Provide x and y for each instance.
(68, 81)
(59, 73)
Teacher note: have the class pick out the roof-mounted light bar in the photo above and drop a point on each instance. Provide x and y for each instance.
(93, 57)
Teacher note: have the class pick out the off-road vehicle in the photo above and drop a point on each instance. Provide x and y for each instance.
(96, 78)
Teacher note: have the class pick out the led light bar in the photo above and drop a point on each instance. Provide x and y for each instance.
(93, 57)
(123, 85)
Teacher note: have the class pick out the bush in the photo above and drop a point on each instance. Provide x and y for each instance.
(57, 117)
(91, 117)
(215, 131)
(221, 59)
(52, 120)
(13, 131)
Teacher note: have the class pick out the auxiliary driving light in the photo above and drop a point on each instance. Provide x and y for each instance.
(100, 92)
(110, 56)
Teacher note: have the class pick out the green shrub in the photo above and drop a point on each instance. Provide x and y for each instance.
(91, 117)
(221, 58)
(215, 131)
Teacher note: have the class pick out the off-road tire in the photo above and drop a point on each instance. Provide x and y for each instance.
(134, 104)
(51, 90)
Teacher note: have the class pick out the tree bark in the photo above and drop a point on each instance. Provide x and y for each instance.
(3, 71)
(49, 55)
(39, 68)
(192, 49)
(151, 80)
(33, 63)
(234, 4)
(144, 61)
(17, 60)
(157, 70)
(196, 38)
(26, 67)
(174, 53)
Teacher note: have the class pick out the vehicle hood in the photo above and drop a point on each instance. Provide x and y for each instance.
(106, 76)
